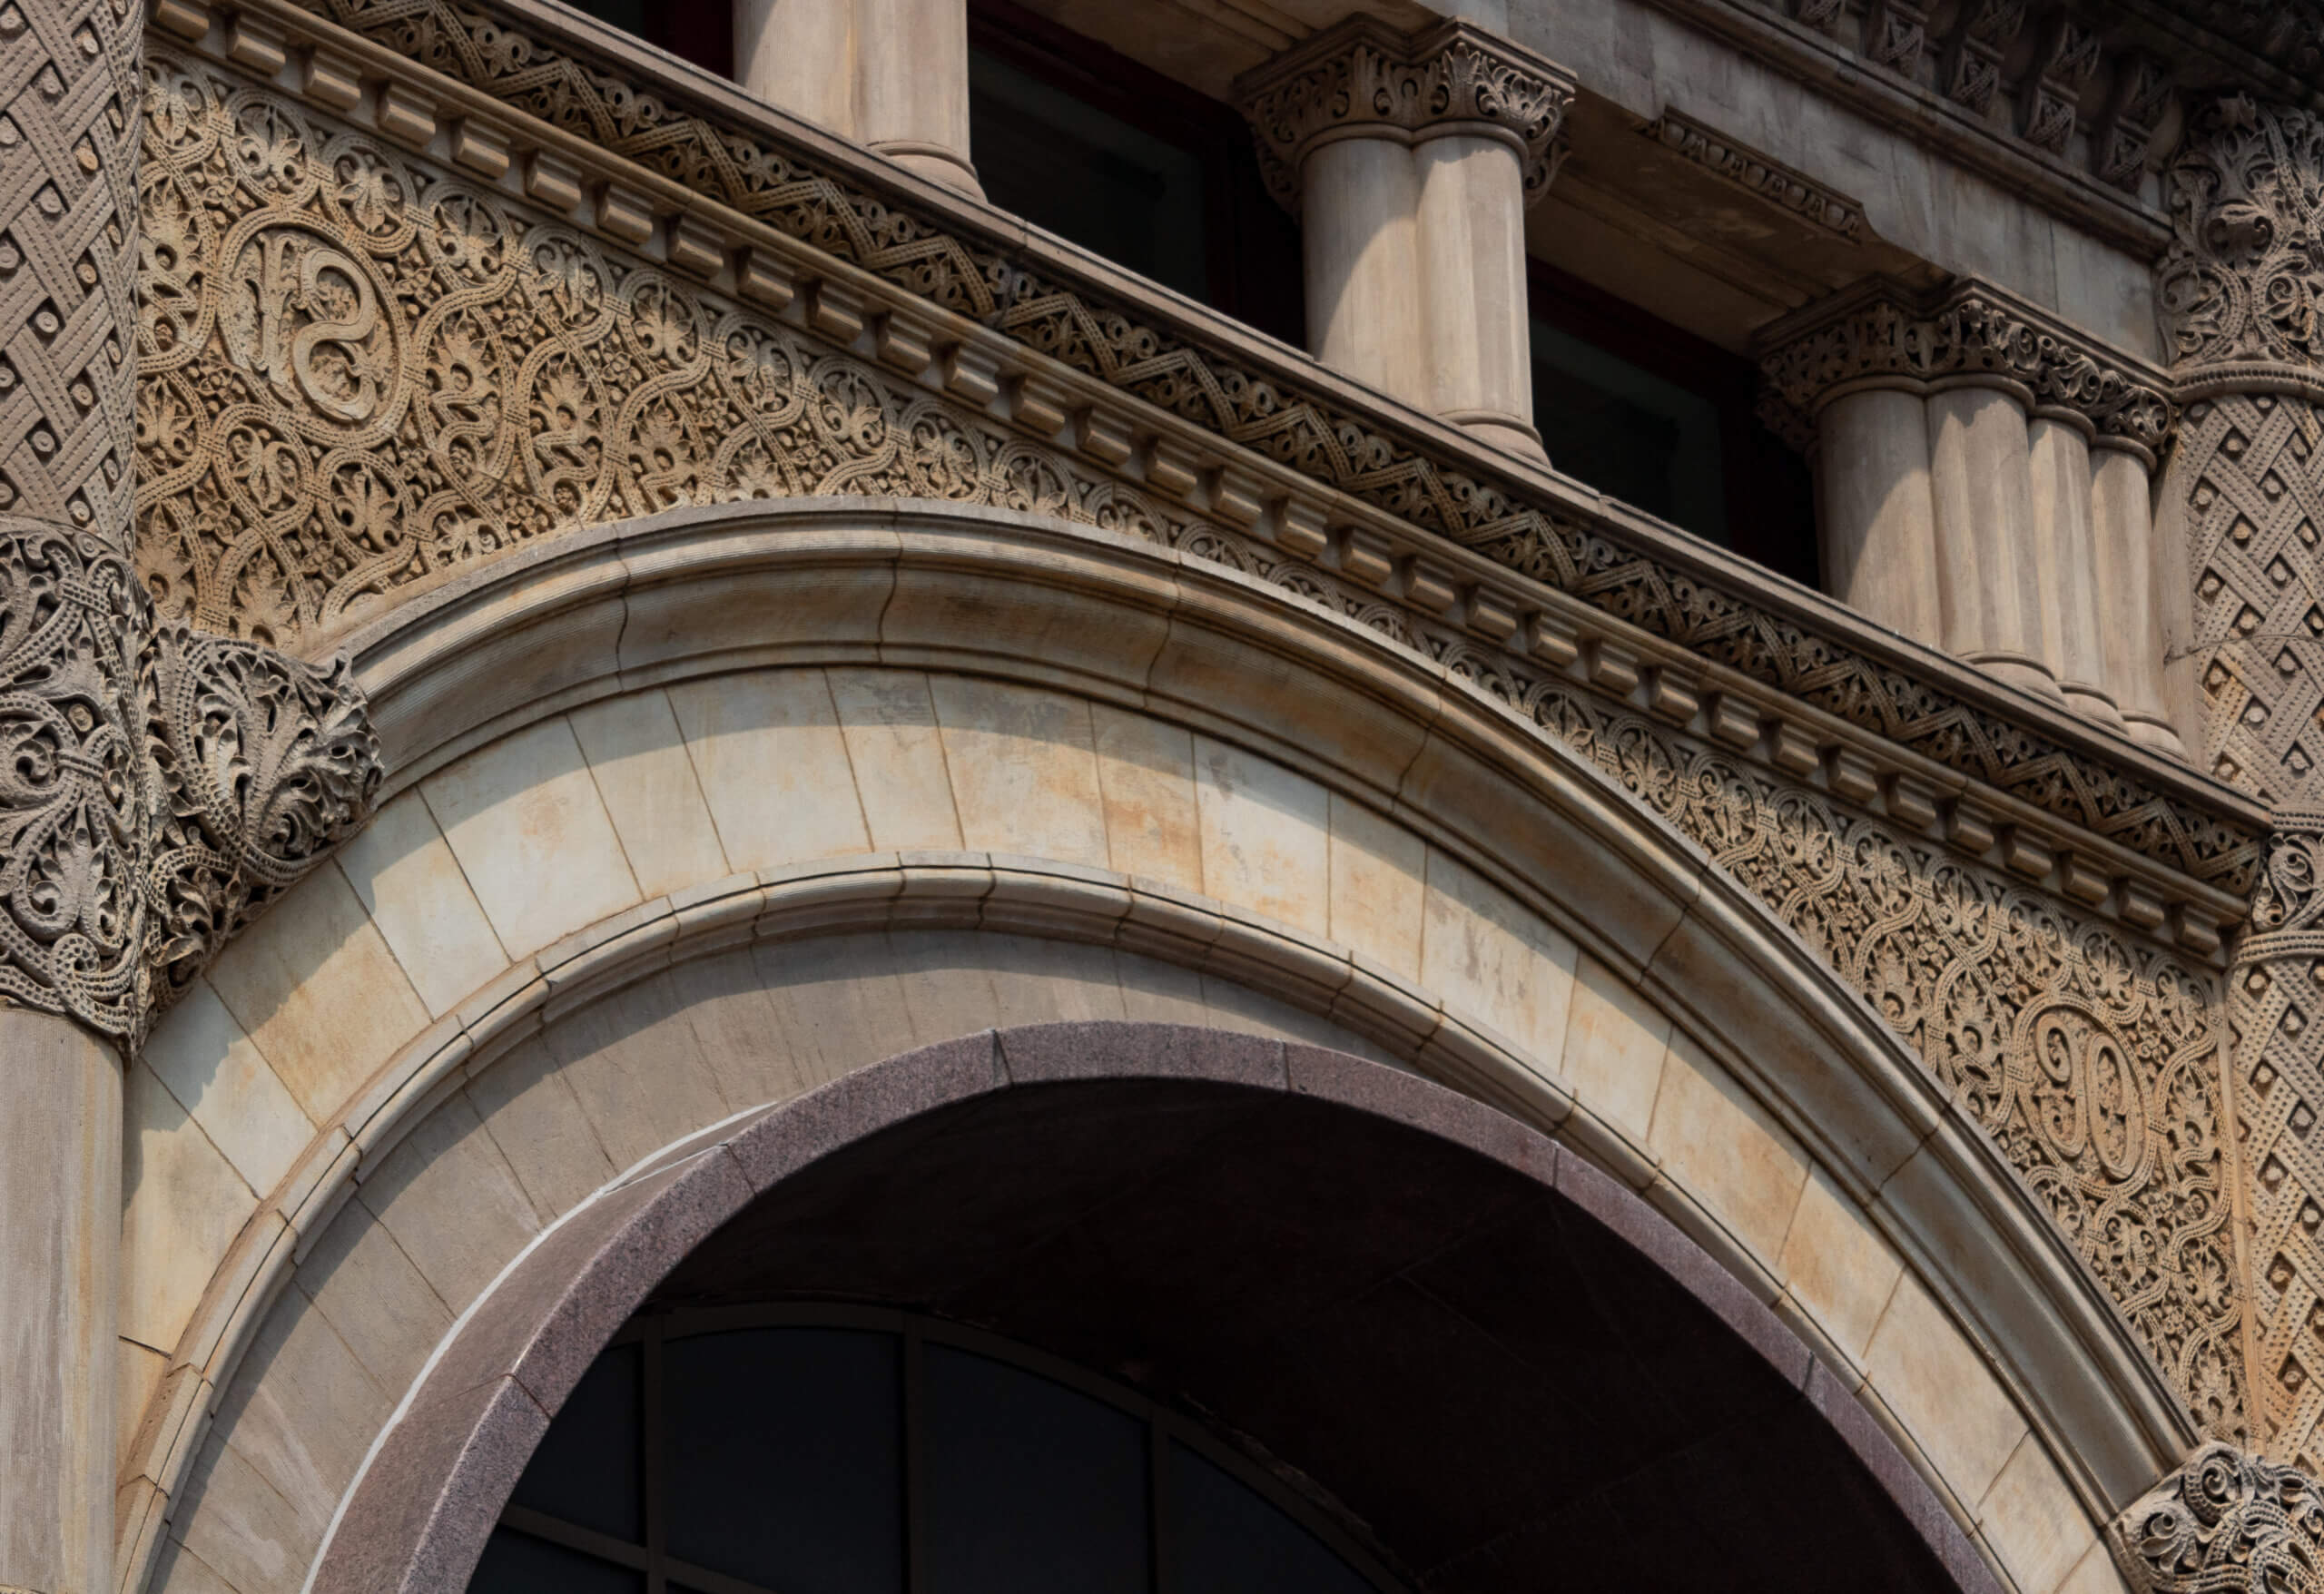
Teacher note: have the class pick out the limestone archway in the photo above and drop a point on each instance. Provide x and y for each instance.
(1158, 773)
(1079, 1184)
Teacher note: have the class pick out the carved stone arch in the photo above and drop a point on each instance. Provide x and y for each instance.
(433, 1486)
(1013, 597)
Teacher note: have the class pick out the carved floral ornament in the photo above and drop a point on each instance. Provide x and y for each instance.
(1885, 331)
(543, 377)
(2226, 1522)
(554, 107)
(1361, 79)
(2244, 278)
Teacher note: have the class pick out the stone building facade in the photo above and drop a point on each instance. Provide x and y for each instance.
(1521, 793)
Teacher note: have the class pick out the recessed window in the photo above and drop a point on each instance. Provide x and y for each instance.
(1664, 421)
(699, 31)
(838, 1450)
(1090, 145)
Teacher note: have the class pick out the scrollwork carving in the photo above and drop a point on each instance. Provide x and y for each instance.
(729, 166)
(2226, 1522)
(1360, 73)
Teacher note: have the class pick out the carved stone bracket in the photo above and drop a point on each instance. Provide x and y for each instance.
(2226, 1522)
(1884, 330)
(1359, 78)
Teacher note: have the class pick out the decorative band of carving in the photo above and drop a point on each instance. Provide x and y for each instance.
(611, 145)
(1361, 76)
(2226, 1522)
(1885, 330)
(1779, 185)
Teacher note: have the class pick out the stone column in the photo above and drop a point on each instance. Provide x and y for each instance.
(1410, 161)
(1879, 530)
(1991, 585)
(2243, 500)
(889, 73)
(2066, 550)
(1959, 439)
(2126, 560)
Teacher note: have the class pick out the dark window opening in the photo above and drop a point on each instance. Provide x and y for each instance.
(1111, 155)
(699, 31)
(1664, 421)
(810, 1449)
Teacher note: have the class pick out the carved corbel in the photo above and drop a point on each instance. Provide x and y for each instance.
(1361, 78)
(2226, 1522)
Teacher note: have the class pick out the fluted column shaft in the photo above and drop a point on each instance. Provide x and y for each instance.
(1411, 161)
(889, 73)
(1966, 446)
(1879, 531)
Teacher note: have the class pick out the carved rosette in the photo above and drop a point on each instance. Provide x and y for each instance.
(1361, 78)
(2226, 1522)
(157, 788)
(1885, 331)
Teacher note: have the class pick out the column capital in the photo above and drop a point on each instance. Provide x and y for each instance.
(1882, 332)
(2241, 292)
(2225, 1522)
(1362, 79)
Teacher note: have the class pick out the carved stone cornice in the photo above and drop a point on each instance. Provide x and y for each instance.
(1788, 190)
(2226, 1522)
(1361, 79)
(705, 185)
(157, 788)
(1881, 331)
(2242, 286)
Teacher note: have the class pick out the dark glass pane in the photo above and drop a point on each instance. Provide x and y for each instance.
(1031, 1486)
(629, 15)
(1065, 164)
(785, 1458)
(1230, 1539)
(1629, 433)
(586, 1468)
(516, 1563)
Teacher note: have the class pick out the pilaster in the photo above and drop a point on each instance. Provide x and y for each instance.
(157, 787)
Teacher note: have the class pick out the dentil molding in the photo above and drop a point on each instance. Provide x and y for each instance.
(1362, 79)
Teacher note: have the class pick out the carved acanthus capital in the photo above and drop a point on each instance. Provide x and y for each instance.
(2244, 276)
(2226, 1522)
(1885, 332)
(1362, 79)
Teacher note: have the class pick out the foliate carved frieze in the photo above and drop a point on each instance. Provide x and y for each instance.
(1361, 75)
(1884, 331)
(634, 127)
(2244, 278)
(2225, 1522)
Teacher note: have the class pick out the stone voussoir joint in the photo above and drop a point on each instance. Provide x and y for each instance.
(1362, 79)
(2226, 1522)
(1885, 332)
